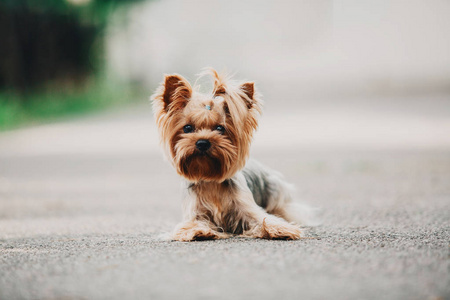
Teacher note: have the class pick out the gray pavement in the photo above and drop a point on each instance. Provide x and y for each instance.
(84, 204)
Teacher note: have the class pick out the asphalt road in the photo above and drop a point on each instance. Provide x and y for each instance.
(85, 204)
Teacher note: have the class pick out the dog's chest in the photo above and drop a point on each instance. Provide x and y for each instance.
(215, 196)
(217, 202)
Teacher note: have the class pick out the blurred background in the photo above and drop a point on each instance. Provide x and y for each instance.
(322, 47)
(53, 62)
(73, 56)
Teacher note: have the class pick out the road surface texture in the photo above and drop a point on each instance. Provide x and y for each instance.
(84, 205)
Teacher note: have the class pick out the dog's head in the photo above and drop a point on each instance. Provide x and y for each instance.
(206, 136)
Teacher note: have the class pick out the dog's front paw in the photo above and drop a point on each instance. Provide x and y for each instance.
(279, 230)
(196, 231)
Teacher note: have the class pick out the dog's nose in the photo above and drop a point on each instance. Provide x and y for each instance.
(203, 145)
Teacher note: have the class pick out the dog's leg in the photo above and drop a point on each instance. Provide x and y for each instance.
(195, 225)
(196, 231)
(257, 222)
(274, 228)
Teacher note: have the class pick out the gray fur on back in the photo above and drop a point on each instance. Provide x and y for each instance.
(260, 181)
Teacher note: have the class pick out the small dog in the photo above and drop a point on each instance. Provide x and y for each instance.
(207, 139)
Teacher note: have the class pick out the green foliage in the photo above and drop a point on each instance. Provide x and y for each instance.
(11, 113)
(27, 75)
(17, 109)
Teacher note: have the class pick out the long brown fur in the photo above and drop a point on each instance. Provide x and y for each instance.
(218, 201)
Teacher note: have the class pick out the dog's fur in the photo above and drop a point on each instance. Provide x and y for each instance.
(225, 192)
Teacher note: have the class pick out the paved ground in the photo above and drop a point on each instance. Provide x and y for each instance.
(83, 204)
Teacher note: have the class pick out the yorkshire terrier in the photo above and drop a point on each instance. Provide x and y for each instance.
(207, 139)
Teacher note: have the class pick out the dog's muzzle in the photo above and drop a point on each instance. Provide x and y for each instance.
(203, 145)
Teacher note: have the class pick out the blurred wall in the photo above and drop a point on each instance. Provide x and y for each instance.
(317, 47)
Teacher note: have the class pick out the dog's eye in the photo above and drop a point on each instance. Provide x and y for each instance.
(188, 128)
(220, 128)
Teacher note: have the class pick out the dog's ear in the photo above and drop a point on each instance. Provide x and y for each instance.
(174, 92)
(248, 88)
(219, 90)
(219, 82)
